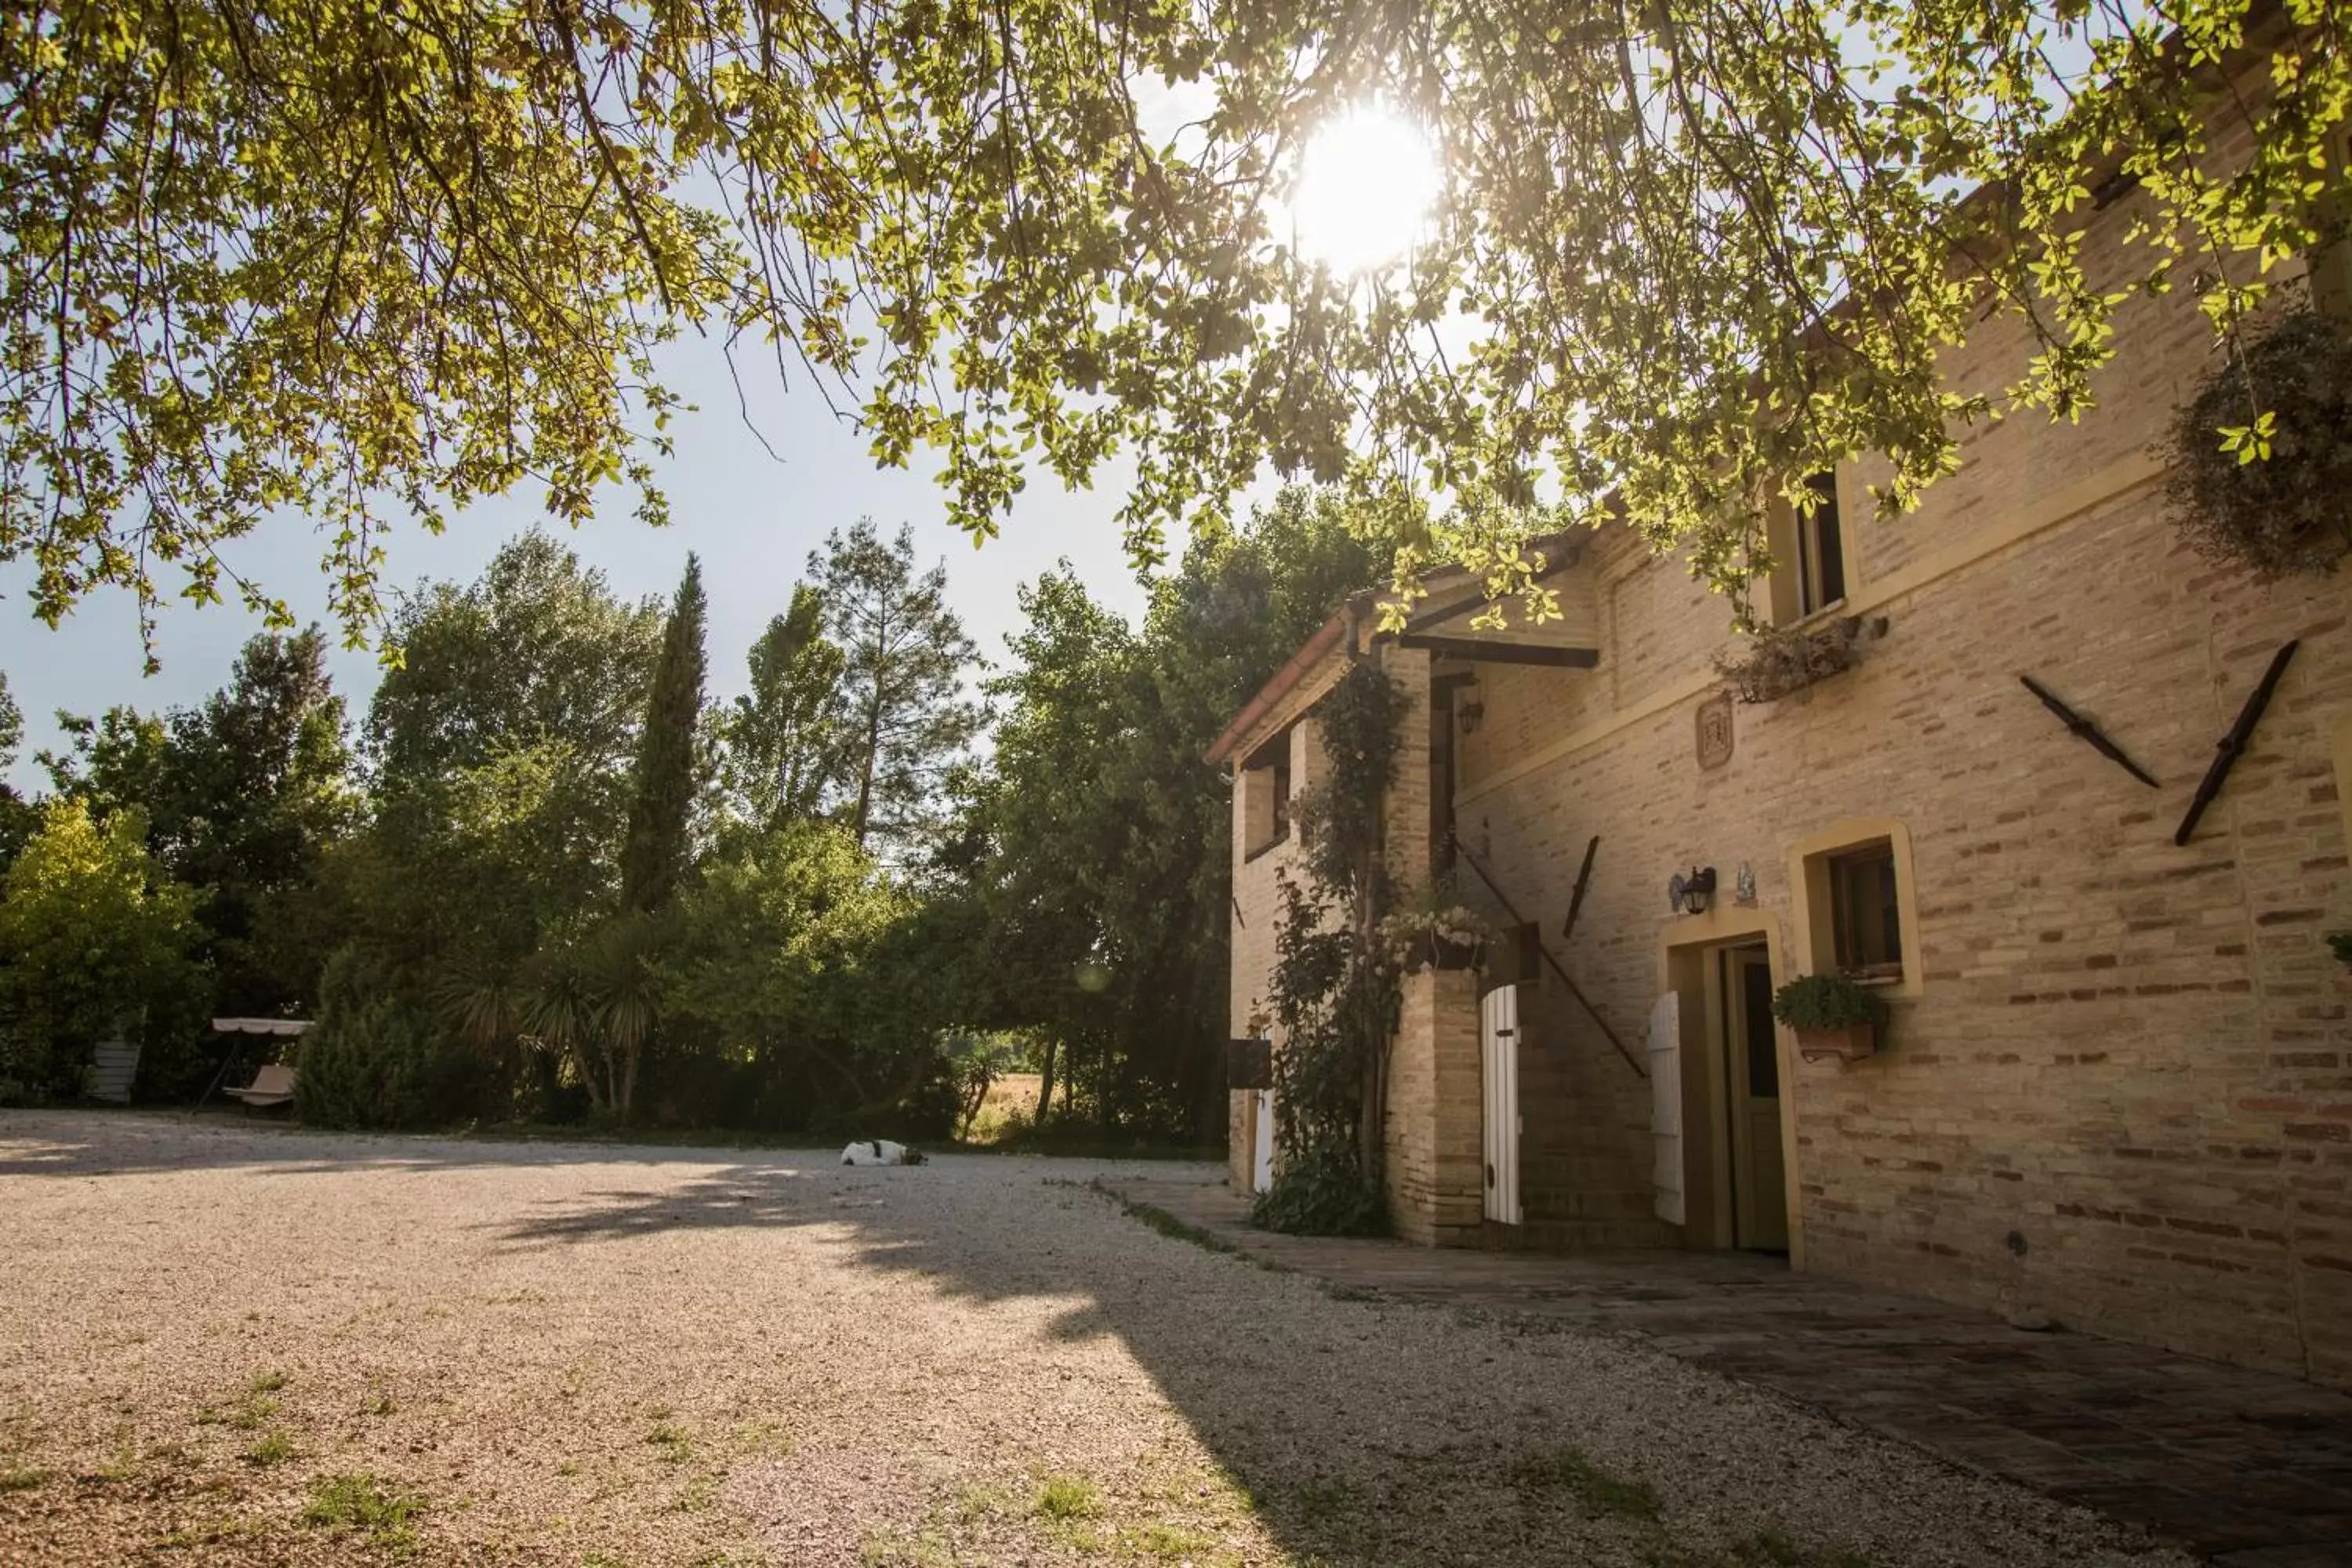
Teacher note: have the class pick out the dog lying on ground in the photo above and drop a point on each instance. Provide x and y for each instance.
(880, 1151)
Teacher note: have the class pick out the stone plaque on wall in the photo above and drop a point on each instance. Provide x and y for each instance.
(1715, 730)
(1249, 1064)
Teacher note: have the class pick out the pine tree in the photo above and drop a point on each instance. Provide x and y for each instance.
(784, 739)
(906, 718)
(663, 780)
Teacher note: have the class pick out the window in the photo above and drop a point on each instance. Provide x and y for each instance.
(1265, 796)
(1865, 916)
(1857, 907)
(1808, 549)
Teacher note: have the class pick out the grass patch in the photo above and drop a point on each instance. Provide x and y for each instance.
(672, 1443)
(1066, 1499)
(1169, 1543)
(1167, 1225)
(763, 1439)
(1599, 1493)
(275, 1449)
(254, 1407)
(22, 1480)
(362, 1504)
(897, 1549)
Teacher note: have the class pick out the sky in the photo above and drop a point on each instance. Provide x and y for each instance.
(752, 518)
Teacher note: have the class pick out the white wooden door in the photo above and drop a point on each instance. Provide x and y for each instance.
(1498, 1058)
(1666, 1106)
(1262, 1142)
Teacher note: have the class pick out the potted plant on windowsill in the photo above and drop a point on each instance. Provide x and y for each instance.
(1834, 1018)
(1435, 938)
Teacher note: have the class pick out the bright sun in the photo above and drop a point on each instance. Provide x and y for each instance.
(1366, 182)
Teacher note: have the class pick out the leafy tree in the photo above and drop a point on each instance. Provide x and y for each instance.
(905, 656)
(784, 739)
(663, 780)
(93, 937)
(241, 797)
(1098, 848)
(1678, 253)
(19, 820)
(802, 970)
(499, 751)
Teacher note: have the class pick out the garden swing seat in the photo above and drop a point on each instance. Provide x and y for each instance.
(271, 1085)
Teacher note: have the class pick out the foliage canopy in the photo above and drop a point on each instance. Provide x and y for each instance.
(360, 261)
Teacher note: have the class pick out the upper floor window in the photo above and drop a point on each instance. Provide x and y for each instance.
(1808, 551)
(1266, 795)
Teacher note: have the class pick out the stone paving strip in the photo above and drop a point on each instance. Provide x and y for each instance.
(2245, 1468)
(232, 1343)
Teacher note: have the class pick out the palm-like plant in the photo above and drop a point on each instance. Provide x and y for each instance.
(595, 1002)
(626, 981)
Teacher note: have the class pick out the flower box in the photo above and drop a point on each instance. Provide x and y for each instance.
(1849, 1044)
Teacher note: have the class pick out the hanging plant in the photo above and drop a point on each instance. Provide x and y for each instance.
(1778, 662)
(2262, 455)
(1334, 987)
(1433, 935)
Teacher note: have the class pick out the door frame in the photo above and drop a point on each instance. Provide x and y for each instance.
(1688, 945)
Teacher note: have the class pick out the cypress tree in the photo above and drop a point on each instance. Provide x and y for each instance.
(662, 781)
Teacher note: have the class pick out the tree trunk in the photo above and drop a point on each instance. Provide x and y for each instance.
(1045, 1084)
(865, 775)
(629, 1059)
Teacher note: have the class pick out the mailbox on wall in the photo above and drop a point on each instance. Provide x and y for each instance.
(1249, 1064)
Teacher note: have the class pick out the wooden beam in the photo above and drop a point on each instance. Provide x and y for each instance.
(1499, 652)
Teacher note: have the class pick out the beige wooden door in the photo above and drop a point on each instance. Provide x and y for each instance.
(1759, 1199)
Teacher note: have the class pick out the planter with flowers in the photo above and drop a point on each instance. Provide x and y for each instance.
(1835, 1019)
(1437, 938)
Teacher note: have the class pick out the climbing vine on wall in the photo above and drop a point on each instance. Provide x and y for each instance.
(1334, 987)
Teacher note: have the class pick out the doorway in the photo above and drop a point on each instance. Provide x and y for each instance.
(1749, 1061)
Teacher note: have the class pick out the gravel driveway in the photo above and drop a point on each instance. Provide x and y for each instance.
(223, 1343)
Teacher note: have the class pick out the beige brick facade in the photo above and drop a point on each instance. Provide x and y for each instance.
(2117, 1087)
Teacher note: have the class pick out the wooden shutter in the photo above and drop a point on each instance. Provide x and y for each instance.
(1498, 1054)
(1666, 1106)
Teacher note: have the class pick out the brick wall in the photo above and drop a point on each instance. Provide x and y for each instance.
(2123, 1095)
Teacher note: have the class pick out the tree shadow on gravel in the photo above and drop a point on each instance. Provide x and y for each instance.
(1358, 1428)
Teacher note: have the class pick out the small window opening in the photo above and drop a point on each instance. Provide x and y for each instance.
(1865, 918)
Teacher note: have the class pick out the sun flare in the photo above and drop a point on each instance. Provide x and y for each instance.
(1366, 182)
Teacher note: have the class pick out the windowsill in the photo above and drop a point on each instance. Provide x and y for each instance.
(1834, 610)
(1276, 842)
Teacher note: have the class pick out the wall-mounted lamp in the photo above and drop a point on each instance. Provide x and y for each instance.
(1691, 895)
(1471, 712)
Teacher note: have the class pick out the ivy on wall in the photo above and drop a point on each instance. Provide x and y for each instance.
(1334, 988)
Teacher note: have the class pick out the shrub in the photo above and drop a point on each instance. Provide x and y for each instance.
(1319, 1189)
(2284, 513)
(1827, 1003)
(378, 1059)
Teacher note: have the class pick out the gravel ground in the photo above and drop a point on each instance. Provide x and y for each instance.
(244, 1345)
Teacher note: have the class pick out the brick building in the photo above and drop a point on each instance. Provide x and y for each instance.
(2114, 1090)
